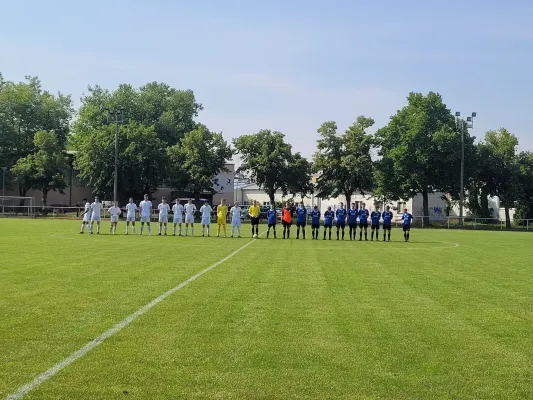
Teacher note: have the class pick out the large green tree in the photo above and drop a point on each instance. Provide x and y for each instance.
(343, 161)
(45, 169)
(267, 158)
(421, 151)
(25, 109)
(142, 160)
(300, 183)
(524, 206)
(197, 159)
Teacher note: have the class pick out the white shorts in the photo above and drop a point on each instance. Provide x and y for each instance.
(96, 219)
(163, 218)
(189, 219)
(145, 218)
(178, 219)
(236, 222)
(206, 220)
(130, 218)
(86, 218)
(114, 218)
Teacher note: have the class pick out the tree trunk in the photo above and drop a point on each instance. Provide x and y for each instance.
(507, 217)
(484, 201)
(44, 197)
(425, 206)
(272, 197)
(348, 199)
(22, 193)
(196, 195)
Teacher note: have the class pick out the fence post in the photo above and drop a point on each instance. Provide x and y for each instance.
(527, 224)
(475, 223)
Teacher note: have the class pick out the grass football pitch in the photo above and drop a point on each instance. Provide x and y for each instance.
(448, 315)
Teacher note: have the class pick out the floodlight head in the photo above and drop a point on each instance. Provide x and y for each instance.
(474, 114)
(469, 119)
(457, 114)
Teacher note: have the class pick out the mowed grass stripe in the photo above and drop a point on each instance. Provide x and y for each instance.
(361, 320)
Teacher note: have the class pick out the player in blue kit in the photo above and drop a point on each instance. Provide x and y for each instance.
(271, 218)
(341, 220)
(387, 222)
(363, 222)
(315, 222)
(406, 218)
(375, 217)
(328, 221)
(352, 221)
(301, 220)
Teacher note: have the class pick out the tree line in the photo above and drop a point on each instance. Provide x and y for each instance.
(161, 144)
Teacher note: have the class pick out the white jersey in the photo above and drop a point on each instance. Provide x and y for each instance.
(235, 212)
(87, 212)
(163, 208)
(146, 208)
(177, 209)
(96, 209)
(130, 209)
(206, 211)
(189, 210)
(114, 211)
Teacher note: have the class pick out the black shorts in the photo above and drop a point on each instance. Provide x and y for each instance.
(353, 225)
(255, 221)
(286, 224)
(315, 226)
(375, 226)
(406, 228)
(328, 225)
(387, 227)
(341, 225)
(301, 224)
(272, 225)
(363, 225)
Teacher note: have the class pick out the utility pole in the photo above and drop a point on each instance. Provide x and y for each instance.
(460, 124)
(3, 187)
(117, 117)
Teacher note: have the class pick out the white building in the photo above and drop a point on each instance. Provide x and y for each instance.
(248, 192)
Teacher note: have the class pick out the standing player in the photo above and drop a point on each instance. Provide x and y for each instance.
(407, 218)
(222, 215)
(254, 211)
(115, 211)
(206, 211)
(145, 207)
(341, 220)
(328, 221)
(131, 210)
(301, 220)
(86, 216)
(96, 209)
(375, 217)
(352, 221)
(164, 209)
(271, 218)
(190, 209)
(286, 221)
(387, 222)
(235, 213)
(315, 222)
(363, 222)
(177, 209)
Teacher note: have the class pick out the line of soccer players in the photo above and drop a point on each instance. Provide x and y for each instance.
(352, 217)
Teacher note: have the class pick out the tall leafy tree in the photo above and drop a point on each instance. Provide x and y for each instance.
(43, 170)
(344, 161)
(197, 159)
(421, 150)
(301, 171)
(267, 158)
(524, 206)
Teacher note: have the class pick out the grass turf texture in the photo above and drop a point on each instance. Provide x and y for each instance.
(281, 319)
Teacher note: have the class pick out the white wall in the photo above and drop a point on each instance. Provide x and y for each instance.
(437, 206)
(224, 185)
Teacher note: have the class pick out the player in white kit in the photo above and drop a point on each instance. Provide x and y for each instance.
(96, 209)
(131, 210)
(115, 211)
(177, 209)
(163, 208)
(235, 213)
(86, 217)
(206, 211)
(146, 213)
(190, 209)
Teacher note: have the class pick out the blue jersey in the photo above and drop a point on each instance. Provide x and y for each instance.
(407, 218)
(271, 215)
(315, 217)
(387, 218)
(375, 217)
(352, 216)
(341, 215)
(301, 215)
(328, 217)
(363, 216)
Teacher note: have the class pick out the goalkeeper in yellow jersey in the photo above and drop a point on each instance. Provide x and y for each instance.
(222, 214)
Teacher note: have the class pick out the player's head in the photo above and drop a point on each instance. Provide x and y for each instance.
(329, 208)
(376, 207)
(287, 205)
(315, 207)
(222, 201)
(353, 206)
(190, 201)
(301, 203)
(363, 205)
(96, 199)
(163, 200)
(256, 203)
(272, 206)
(206, 202)
(146, 197)
(388, 208)
(131, 199)
(405, 210)
(342, 204)
(115, 203)
(236, 204)
(84, 201)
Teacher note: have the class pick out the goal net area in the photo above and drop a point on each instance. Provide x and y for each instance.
(15, 206)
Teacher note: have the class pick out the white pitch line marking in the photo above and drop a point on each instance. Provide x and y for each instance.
(50, 373)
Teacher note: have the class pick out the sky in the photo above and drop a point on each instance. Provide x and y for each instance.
(286, 65)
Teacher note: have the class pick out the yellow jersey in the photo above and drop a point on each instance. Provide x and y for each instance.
(254, 211)
(222, 211)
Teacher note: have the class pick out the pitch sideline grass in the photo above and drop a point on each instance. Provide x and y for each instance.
(283, 319)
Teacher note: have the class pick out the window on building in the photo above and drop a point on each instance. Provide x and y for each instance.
(266, 203)
(400, 205)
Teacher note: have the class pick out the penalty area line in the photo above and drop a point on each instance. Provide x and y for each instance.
(50, 373)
